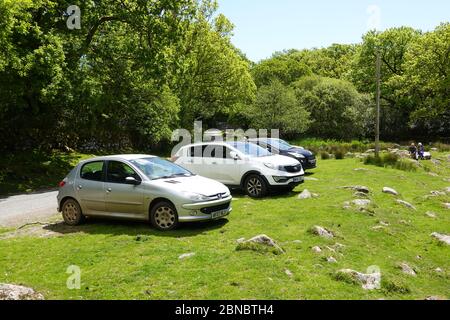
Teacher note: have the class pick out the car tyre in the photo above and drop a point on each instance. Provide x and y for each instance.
(71, 213)
(255, 186)
(164, 216)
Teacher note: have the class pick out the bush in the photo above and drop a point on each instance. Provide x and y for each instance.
(391, 286)
(331, 146)
(391, 160)
(339, 154)
(325, 155)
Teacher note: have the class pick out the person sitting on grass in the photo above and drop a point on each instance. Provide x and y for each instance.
(413, 151)
(421, 151)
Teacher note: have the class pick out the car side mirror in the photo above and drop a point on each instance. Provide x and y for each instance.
(133, 181)
(234, 155)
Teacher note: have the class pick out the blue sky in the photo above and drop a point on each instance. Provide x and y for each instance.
(265, 26)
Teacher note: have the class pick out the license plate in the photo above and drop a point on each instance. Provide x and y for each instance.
(298, 179)
(219, 214)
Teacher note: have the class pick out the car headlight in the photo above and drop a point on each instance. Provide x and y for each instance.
(297, 155)
(195, 196)
(271, 166)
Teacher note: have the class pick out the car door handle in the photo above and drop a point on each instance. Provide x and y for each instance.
(80, 187)
(214, 163)
(109, 190)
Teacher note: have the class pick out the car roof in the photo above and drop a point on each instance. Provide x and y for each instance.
(263, 140)
(218, 143)
(126, 157)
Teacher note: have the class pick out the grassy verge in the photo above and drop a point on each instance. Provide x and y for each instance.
(34, 170)
(121, 260)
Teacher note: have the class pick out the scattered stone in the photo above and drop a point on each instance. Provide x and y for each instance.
(337, 246)
(259, 242)
(322, 232)
(390, 191)
(14, 292)
(289, 273)
(240, 240)
(437, 193)
(376, 228)
(434, 298)
(316, 249)
(362, 189)
(434, 149)
(305, 195)
(430, 214)
(385, 224)
(360, 169)
(446, 205)
(360, 195)
(370, 151)
(310, 179)
(433, 174)
(368, 281)
(439, 270)
(441, 237)
(404, 222)
(406, 269)
(419, 257)
(347, 205)
(406, 204)
(331, 260)
(297, 241)
(186, 256)
(436, 162)
(361, 203)
(447, 190)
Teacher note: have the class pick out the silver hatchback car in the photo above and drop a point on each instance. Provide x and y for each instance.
(140, 187)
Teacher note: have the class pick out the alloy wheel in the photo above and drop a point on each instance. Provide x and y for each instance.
(165, 217)
(254, 187)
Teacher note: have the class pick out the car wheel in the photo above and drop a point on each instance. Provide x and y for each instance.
(71, 212)
(255, 186)
(164, 216)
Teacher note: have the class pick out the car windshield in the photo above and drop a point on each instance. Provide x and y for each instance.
(280, 144)
(250, 149)
(157, 168)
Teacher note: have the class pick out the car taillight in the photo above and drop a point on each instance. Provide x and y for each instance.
(174, 158)
(62, 183)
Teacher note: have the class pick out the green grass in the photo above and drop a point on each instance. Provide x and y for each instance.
(35, 170)
(125, 260)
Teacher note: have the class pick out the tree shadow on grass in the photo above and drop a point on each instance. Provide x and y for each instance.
(95, 226)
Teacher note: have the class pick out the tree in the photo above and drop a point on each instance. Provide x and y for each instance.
(332, 62)
(283, 67)
(337, 110)
(392, 45)
(216, 79)
(276, 107)
(426, 81)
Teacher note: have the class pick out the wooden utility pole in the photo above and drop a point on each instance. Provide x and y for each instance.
(377, 127)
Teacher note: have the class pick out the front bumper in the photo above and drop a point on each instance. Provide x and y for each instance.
(308, 163)
(286, 181)
(192, 212)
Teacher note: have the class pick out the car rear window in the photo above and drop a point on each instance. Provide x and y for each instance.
(92, 171)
